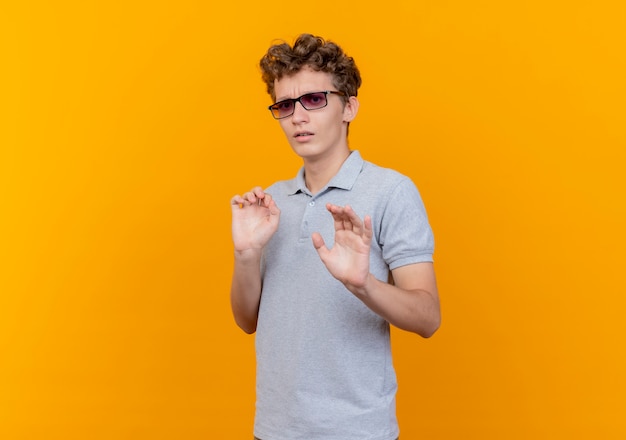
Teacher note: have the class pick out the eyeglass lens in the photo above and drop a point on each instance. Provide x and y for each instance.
(310, 101)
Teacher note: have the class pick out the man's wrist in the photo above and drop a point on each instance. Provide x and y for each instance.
(363, 290)
(248, 255)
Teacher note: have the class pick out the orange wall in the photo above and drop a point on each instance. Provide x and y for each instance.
(127, 127)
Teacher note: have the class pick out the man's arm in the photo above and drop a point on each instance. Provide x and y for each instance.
(255, 218)
(410, 303)
(245, 291)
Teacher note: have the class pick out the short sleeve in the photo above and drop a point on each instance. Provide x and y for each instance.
(405, 234)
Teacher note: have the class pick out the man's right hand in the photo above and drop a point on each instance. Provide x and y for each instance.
(255, 218)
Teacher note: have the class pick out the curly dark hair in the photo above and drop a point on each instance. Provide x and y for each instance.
(313, 52)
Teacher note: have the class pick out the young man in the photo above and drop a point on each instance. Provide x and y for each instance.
(326, 261)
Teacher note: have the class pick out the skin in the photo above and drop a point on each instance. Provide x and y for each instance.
(319, 137)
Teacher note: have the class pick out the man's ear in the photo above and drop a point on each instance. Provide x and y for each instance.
(350, 109)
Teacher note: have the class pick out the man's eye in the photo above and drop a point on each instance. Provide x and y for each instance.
(285, 105)
(314, 99)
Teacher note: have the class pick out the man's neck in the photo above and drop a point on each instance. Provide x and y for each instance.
(318, 172)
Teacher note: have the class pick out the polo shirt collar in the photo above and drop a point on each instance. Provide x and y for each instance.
(344, 179)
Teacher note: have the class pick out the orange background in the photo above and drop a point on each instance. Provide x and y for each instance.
(127, 126)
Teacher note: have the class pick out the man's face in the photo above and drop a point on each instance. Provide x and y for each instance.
(315, 134)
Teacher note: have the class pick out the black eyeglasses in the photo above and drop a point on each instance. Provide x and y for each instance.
(310, 101)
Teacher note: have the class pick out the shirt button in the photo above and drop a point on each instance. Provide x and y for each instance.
(311, 203)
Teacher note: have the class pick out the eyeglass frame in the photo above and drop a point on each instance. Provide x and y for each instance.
(299, 99)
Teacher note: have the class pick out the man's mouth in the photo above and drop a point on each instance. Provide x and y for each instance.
(304, 133)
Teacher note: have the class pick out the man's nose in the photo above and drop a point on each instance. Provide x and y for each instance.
(299, 113)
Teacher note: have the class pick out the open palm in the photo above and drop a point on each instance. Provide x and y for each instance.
(348, 260)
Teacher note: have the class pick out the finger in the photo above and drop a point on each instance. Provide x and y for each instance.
(334, 211)
(258, 192)
(346, 219)
(254, 195)
(318, 244)
(250, 198)
(368, 231)
(354, 221)
(238, 201)
(273, 208)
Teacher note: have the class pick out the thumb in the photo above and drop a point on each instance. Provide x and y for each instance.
(318, 243)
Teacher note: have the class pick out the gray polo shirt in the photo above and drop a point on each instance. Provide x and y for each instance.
(324, 368)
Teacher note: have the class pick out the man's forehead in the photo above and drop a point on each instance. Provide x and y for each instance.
(301, 82)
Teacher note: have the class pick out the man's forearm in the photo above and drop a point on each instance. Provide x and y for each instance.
(415, 310)
(245, 292)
